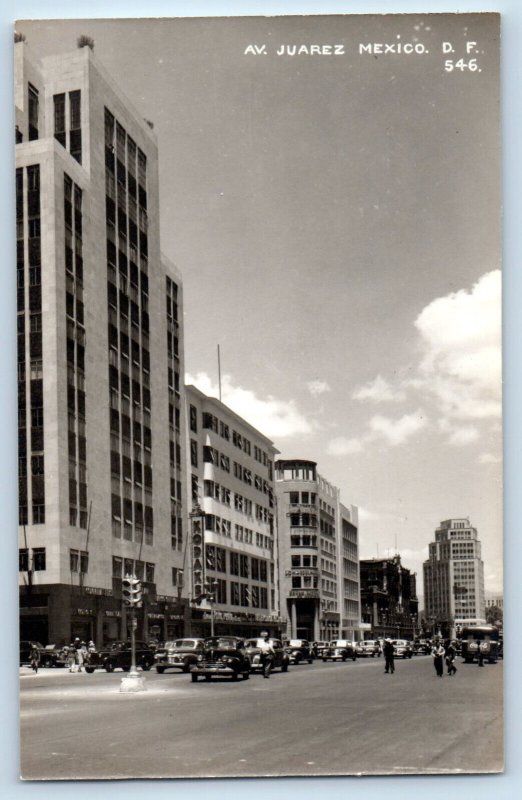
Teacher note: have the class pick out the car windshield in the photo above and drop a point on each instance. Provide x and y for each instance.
(179, 644)
(223, 643)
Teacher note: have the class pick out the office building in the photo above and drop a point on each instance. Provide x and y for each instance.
(454, 578)
(233, 538)
(318, 555)
(389, 598)
(100, 354)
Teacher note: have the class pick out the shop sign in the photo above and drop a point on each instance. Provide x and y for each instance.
(84, 612)
(165, 598)
(97, 591)
(113, 613)
(155, 616)
(175, 616)
(305, 571)
(303, 594)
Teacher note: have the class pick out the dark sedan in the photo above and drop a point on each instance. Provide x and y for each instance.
(178, 654)
(223, 656)
(118, 656)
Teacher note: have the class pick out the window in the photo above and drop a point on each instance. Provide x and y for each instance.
(59, 118)
(75, 133)
(73, 560)
(193, 453)
(39, 559)
(193, 419)
(23, 560)
(33, 112)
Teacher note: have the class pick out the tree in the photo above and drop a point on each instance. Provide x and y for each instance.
(85, 41)
(494, 614)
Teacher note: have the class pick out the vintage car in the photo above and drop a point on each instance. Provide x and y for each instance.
(118, 656)
(253, 648)
(223, 656)
(370, 647)
(340, 650)
(50, 655)
(481, 643)
(178, 654)
(402, 648)
(421, 647)
(318, 648)
(298, 651)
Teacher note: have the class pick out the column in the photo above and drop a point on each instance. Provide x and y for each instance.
(293, 620)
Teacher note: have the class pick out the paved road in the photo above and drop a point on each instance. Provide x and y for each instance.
(317, 719)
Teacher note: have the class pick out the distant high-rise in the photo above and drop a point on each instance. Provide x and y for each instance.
(100, 354)
(454, 578)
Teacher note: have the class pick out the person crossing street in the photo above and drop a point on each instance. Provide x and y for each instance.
(389, 653)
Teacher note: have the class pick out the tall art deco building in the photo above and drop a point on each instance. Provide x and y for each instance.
(100, 355)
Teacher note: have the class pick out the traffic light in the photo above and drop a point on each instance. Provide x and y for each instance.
(132, 591)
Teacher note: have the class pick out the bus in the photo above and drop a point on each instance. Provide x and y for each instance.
(480, 641)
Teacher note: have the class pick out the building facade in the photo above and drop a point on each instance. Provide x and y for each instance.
(318, 555)
(231, 493)
(389, 598)
(100, 354)
(454, 578)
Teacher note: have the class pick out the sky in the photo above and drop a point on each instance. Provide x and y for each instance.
(336, 220)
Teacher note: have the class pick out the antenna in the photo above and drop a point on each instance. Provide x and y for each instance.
(219, 372)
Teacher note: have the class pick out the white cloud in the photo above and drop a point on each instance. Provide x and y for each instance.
(318, 387)
(378, 390)
(461, 343)
(397, 431)
(462, 436)
(343, 446)
(274, 418)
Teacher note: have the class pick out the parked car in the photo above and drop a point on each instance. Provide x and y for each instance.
(318, 648)
(421, 647)
(50, 655)
(223, 656)
(481, 642)
(299, 650)
(340, 650)
(370, 647)
(254, 652)
(118, 656)
(178, 654)
(402, 648)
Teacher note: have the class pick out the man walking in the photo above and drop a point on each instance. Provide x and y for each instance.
(438, 654)
(389, 664)
(267, 654)
(451, 654)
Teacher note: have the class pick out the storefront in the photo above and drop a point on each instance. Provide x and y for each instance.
(242, 623)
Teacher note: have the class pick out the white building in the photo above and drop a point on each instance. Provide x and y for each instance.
(454, 576)
(100, 354)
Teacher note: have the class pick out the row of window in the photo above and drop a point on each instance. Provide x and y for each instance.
(211, 422)
(303, 498)
(34, 559)
(304, 582)
(143, 570)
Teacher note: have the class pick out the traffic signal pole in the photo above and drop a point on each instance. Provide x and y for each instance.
(132, 592)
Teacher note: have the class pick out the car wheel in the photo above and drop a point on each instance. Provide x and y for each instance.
(146, 666)
(160, 670)
(284, 668)
(209, 678)
(186, 666)
(193, 677)
(325, 660)
(246, 676)
(354, 658)
(297, 659)
(310, 660)
(234, 676)
(46, 662)
(109, 666)
(126, 669)
(90, 670)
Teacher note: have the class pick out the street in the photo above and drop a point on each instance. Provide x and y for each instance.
(333, 718)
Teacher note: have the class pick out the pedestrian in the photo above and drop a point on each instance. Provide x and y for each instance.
(34, 658)
(71, 657)
(389, 652)
(451, 654)
(267, 654)
(480, 654)
(80, 647)
(438, 654)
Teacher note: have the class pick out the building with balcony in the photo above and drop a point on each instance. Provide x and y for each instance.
(230, 466)
(454, 578)
(100, 354)
(389, 598)
(318, 554)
